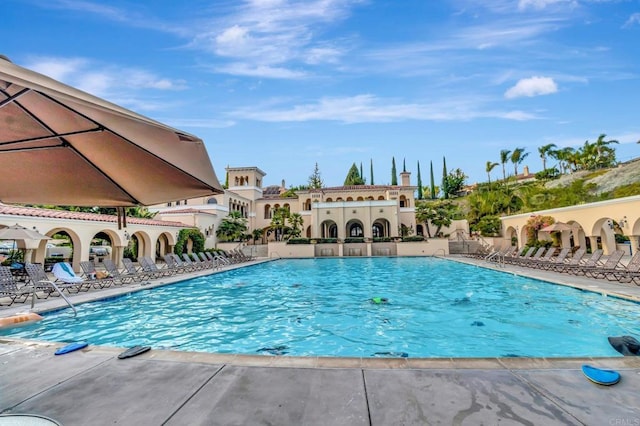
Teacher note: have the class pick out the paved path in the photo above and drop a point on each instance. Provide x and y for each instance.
(93, 387)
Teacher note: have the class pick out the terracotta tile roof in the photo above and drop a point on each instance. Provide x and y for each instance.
(185, 211)
(360, 188)
(63, 214)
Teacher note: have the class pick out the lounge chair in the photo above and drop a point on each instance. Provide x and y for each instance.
(210, 262)
(201, 264)
(170, 260)
(610, 266)
(91, 274)
(631, 273)
(570, 262)
(117, 276)
(219, 260)
(41, 280)
(530, 259)
(592, 262)
(65, 274)
(553, 261)
(132, 270)
(517, 257)
(187, 260)
(9, 288)
(534, 263)
(150, 267)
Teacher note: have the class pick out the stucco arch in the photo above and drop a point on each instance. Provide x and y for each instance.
(354, 228)
(381, 228)
(604, 229)
(329, 229)
(77, 246)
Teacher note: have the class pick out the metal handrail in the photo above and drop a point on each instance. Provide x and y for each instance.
(52, 284)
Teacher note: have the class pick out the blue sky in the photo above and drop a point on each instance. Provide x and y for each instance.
(283, 84)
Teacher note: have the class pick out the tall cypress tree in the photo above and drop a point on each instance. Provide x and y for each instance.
(394, 178)
(371, 172)
(433, 186)
(419, 183)
(404, 165)
(353, 177)
(445, 186)
(361, 174)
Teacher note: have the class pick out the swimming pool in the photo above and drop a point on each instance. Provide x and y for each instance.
(323, 307)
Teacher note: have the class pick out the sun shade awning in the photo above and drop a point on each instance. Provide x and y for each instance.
(62, 146)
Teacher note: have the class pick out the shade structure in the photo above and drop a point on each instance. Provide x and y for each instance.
(62, 146)
(20, 233)
(558, 227)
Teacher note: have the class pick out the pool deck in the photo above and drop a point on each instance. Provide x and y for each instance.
(92, 386)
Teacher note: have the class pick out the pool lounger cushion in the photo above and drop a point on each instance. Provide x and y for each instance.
(601, 377)
(131, 352)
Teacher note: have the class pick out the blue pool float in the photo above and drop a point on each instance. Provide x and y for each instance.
(71, 347)
(600, 376)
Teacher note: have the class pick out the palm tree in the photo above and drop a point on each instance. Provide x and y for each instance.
(545, 151)
(490, 166)
(602, 150)
(295, 222)
(257, 234)
(504, 157)
(562, 155)
(517, 156)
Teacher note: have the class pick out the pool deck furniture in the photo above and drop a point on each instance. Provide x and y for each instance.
(9, 288)
(236, 389)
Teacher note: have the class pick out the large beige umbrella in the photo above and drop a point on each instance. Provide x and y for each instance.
(62, 146)
(25, 238)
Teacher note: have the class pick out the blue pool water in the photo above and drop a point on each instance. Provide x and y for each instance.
(322, 307)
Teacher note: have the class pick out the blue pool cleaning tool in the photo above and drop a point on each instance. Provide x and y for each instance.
(600, 376)
(71, 347)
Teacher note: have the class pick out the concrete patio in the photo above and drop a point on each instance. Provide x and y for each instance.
(93, 387)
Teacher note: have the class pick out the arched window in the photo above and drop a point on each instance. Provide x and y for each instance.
(377, 230)
(212, 201)
(329, 229)
(381, 198)
(349, 198)
(267, 211)
(355, 230)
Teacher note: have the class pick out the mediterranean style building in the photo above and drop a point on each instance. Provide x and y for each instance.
(367, 211)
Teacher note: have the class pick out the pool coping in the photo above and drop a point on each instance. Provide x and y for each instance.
(605, 288)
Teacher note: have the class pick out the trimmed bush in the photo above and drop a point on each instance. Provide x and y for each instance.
(299, 241)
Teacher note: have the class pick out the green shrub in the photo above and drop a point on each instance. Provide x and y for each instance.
(299, 241)
(354, 240)
(412, 238)
(326, 240)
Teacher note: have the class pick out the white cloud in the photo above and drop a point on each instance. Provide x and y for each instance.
(268, 35)
(633, 20)
(100, 79)
(371, 109)
(534, 86)
(541, 4)
(266, 71)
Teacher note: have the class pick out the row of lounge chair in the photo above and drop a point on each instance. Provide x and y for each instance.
(594, 266)
(65, 279)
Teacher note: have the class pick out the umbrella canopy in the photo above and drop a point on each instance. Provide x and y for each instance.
(62, 146)
(17, 232)
(557, 227)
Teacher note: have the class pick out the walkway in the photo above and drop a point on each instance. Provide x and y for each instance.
(92, 386)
